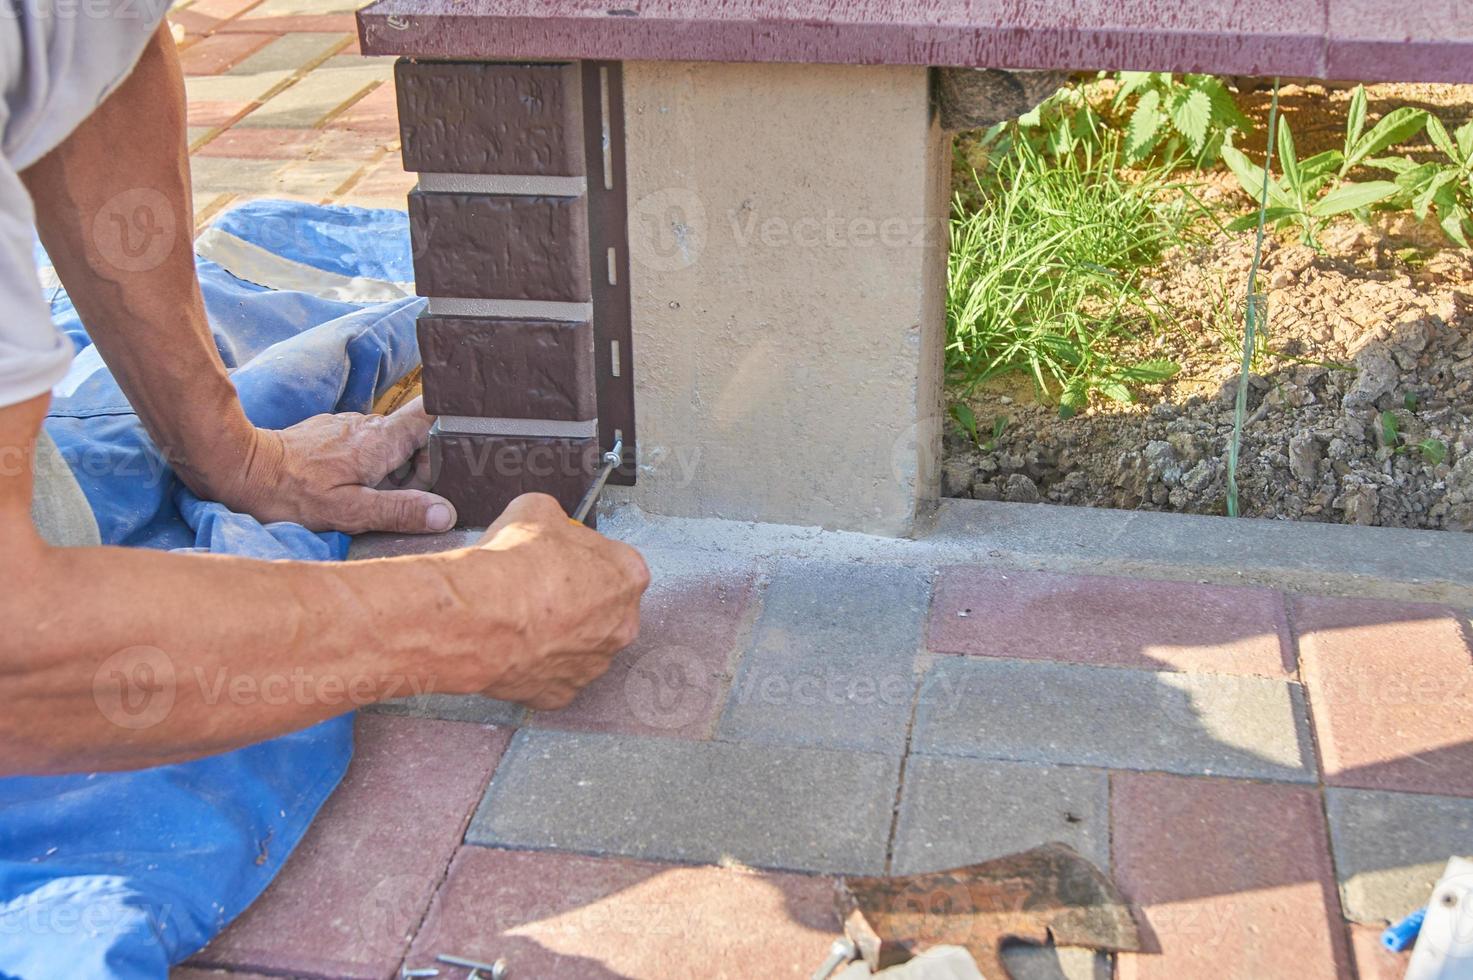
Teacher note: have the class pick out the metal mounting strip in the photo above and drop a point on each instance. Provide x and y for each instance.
(608, 245)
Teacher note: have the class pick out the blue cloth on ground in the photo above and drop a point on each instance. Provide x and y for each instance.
(120, 875)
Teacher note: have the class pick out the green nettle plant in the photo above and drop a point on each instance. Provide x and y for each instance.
(1194, 114)
(1313, 191)
(1443, 188)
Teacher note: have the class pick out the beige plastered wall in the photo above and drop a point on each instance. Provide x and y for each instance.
(787, 271)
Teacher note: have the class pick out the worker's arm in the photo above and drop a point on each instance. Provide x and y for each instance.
(114, 210)
(119, 658)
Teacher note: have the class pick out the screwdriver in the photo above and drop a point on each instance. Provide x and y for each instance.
(610, 461)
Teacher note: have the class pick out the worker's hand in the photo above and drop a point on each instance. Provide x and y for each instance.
(323, 473)
(581, 594)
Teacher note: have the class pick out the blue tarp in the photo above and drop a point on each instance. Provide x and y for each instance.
(121, 874)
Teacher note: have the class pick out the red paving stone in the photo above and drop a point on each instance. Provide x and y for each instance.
(260, 144)
(212, 55)
(347, 902)
(1391, 692)
(571, 917)
(1110, 621)
(292, 23)
(1232, 879)
(376, 114)
(1372, 961)
(673, 680)
(205, 16)
(214, 113)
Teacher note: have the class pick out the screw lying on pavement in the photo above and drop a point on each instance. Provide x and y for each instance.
(494, 971)
(405, 973)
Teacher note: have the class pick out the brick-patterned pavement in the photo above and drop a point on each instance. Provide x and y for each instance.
(281, 104)
(1268, 776)
(1238, 758)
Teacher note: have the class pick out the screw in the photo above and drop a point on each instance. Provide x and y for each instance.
(496, 971)
(405, 973)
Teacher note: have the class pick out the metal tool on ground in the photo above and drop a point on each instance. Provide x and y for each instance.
(493, 971)
(1050, 892)
(608, 463)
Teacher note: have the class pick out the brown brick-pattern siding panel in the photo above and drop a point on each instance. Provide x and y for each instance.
(507, 368)
(492, 246)
(489, 118)
(481, 474)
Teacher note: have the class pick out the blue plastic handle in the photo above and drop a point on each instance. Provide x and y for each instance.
(1400, 935)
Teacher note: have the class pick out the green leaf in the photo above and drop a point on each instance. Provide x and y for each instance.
(1224, 109)
(1390, 428)
(1115, 391)
(966, 418)
(1395, 127)
(1271, 217)
(1441, 139)
(1289, 161)
(1452, 225)
(1131, 82)
(1434, 451)
(1352, 197)
(1144, 130)
(1151, 372)
(1397, 165)
(1191, 114)
(1321, 165)
(1464, 136)
(1410, 401)
(1434, 191)
(1356, 124)
(1250, 177)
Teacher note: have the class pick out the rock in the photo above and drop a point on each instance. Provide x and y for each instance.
(1459, 481)
(1375, 377)
(1359, 505)
(1304, 457)
(956, 476)
(1020, 490)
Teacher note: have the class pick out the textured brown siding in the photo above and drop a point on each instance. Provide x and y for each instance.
(506, 368)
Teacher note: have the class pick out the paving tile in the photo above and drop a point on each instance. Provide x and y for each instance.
(569, 916)
(259, 144)
(349, 898)
(1390, 848)
(313, 98)
(204, 16)
(832, 661)
(209, 114)
(212, 55)
(288, 52)
(961, 811)
(703, 802)
(673, 680)
(204, 973)
(286, 8)
(293, 23)
(386, 185)
(1230, 879)
(228, 175)
(1029, 711)
(454, 707)
(1391, 689)
(375, 114)
(1124, 622)
(234, 88)
(313, 180)
(1372, 960)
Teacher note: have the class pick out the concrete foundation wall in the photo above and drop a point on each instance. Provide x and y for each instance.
(788, 256)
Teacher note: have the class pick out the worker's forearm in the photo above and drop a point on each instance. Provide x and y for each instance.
(162, 657)
(115, 212)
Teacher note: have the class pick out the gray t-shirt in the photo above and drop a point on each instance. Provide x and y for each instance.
(58, 60)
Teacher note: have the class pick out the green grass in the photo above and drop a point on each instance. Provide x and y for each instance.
(1045, 269)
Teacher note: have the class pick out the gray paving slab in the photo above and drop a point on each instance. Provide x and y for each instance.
(960, 811)
(1195, 724)
(1390, 848)
(454, 707)
(669, 799)
(832, 659)
(289, 52)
